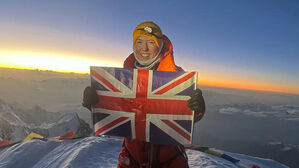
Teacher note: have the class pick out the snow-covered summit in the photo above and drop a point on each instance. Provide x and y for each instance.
(16, 123)
(98, 152)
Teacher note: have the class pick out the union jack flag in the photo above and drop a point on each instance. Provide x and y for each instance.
(146, 105)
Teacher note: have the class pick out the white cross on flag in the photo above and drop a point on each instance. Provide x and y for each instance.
(146, 105)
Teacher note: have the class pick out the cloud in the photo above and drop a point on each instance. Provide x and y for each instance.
(293, 119)
(284, 147)
(229, 110)
(286, 112)
(289, 109)
(254, 113)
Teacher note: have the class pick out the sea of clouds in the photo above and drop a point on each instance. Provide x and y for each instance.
(284, 112)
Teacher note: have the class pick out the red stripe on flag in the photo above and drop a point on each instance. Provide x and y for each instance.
(141, 96)
(179, 130)
(176, 83)
(142, 83)
(99, 131)
(167, 106)
(102, 79)
(152, 106)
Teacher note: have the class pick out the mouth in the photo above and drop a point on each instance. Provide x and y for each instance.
(145, 55)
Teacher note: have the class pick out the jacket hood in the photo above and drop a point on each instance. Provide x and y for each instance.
(166, 59)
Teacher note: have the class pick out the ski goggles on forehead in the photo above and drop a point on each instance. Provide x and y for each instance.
(150, 30)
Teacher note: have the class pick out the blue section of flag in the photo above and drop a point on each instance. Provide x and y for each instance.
(187, 91)
(157, 135)
(125, 76)
(160, 78)
(186, 124)
(123, 130)
(99, 116)
(98, 86)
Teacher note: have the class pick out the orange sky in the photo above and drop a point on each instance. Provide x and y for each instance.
(79, 64)
(51, 61)
(233, 82)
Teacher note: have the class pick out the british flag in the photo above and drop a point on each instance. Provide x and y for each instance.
(146, 105)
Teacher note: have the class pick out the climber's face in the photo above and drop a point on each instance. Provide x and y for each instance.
(145, 48)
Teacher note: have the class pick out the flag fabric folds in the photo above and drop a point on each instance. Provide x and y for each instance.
(146, 105)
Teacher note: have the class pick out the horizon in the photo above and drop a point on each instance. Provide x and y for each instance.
(87, 74)
(245, 45)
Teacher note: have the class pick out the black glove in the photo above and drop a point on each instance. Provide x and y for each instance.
(90, 97)
(197, 103)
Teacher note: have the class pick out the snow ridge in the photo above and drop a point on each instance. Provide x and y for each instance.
(100, 152)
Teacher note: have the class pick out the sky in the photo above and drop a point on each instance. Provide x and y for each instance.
(236, 44)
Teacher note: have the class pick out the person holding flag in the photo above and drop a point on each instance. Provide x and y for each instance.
(152, 50)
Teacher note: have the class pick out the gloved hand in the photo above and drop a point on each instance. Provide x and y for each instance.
(197, 103)
(90, 97)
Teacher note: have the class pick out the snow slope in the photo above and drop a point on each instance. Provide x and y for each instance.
(97, 152)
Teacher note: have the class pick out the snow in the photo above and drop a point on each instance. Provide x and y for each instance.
(7, 113)
(100, 152)
(69, 122)
(15, 129)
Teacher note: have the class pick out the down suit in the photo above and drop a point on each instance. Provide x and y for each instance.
(136, 154)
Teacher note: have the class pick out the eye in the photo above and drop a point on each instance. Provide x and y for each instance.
(152, 43)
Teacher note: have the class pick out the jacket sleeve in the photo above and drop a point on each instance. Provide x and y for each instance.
(198, 117)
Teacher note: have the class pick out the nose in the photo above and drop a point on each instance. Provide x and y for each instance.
(144, 47)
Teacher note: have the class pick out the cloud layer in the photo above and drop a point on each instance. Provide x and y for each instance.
(286, 112)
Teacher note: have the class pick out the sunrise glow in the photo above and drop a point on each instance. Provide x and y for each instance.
(49, 61)
(71, 63)
(237, 83)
